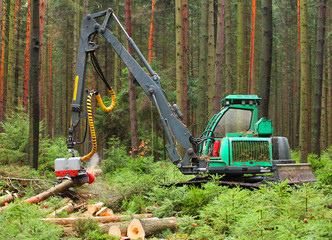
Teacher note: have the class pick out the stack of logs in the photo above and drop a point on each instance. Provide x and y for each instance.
(139, 227)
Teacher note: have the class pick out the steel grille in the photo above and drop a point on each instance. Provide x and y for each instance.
(243, 151)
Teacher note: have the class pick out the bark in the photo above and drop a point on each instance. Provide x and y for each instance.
(185, 58)
(2, 80)
(132, 94)
(26, 59)
(151, 54)
(329, 89)
(220, 54)
(252, 46)
(305, 85)
(317, 85)
(107, 219)
(10, 63)
(211, 70)
(179, 53)
(50, 88)
(17, 61)
(6, 199)
(242, 82)
(50, 192)
(228, 51)
(41, 53)
(139, 229)
(33, 86)
(298, 68)
(202, 83)
(265, 69)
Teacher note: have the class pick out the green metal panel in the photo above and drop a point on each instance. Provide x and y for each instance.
(225, 150)
(263, 127)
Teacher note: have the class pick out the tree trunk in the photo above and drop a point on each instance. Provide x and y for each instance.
(317, 85)
(329, 89)
(151, 54)
(305, 85)
(228, 45)
(26, 59)
(265, 69)
(298, 69)
(41, 72)
(33, 86)
(10, 64)
(132, 94)
(50, 192)
(242, 82)
(185, 58)
(252, 46)
(107, 219)
(202, 79)
(220, 55)
(2, 65)
(211, 70)
(50, 87)
(17, 45)
(179, 53)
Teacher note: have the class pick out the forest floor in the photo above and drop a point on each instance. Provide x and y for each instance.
(207, 212)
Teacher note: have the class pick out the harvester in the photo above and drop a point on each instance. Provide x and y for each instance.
(235, 143)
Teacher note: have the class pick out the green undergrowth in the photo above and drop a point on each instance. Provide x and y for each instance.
(22, 221)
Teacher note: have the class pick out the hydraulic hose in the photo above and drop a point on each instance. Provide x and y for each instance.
(90, 119)
(101, 104)
(92, 128)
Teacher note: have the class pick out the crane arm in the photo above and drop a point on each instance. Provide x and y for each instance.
(150, 83)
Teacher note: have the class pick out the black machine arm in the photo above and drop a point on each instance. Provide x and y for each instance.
(169, 116)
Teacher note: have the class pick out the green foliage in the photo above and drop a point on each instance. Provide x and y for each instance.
(89, 229)
(275, 212)
(14, 143)
(322, 166)
(22, 221)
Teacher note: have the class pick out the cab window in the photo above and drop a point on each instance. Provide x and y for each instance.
(234, 120)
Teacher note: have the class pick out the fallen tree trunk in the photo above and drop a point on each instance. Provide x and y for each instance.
(6, 199)
(141, 228)
(106, 219)
(50, 192)
(57, 189)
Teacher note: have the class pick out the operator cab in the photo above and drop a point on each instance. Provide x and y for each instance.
(237, 118)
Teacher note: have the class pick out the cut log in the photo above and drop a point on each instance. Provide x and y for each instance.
(123, 225)
(106, 219)
(139, 229)
(69, 208)
(92, 209)
(6, 199)
(104, 211)
(50, 192)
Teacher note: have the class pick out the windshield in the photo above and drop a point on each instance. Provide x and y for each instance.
(233, 120)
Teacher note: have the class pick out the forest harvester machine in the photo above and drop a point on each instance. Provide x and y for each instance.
(235, 143)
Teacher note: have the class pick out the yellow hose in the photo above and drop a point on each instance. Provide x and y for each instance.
(101, 104)
(90, 119)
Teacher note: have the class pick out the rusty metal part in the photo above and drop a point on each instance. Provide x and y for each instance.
(295, 173)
